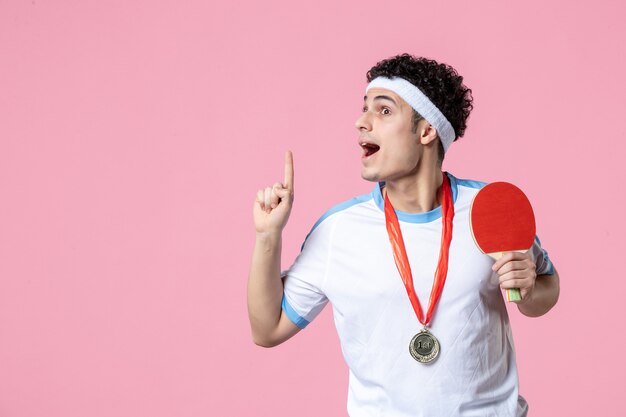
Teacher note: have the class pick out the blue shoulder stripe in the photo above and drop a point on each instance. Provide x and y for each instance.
(471, 183)
(339, 207)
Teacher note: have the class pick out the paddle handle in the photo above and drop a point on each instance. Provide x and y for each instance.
(512, 294)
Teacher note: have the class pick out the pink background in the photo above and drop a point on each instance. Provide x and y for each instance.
(133, 138)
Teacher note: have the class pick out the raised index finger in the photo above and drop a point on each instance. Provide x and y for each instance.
(288, 183)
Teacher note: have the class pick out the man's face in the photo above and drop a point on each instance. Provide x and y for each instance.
(391, 149)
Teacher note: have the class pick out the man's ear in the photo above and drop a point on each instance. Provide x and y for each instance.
(427, 133)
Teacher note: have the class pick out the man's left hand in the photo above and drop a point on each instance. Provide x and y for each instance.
(517, 270)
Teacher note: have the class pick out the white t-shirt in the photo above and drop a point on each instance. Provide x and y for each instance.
(347, 259)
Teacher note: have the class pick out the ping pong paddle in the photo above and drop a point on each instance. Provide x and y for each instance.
(502, 220)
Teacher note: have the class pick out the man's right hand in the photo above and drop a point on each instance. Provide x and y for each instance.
(269, 323)
(273, 204)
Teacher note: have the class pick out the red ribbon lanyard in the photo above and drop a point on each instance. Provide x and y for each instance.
(402, 260)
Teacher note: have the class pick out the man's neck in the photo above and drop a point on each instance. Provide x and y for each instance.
(419, 193)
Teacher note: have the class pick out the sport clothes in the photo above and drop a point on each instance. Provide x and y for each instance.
(347, 259)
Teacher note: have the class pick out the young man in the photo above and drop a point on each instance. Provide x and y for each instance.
(453, 358)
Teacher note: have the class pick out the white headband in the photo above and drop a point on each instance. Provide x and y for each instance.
(420, 103)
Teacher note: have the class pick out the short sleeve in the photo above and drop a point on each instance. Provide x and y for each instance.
(541, 258)
(304, 297)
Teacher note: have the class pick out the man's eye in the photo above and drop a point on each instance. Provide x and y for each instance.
(385, 110)
(364, 109)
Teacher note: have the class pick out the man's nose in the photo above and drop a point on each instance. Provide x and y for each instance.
(363, 122)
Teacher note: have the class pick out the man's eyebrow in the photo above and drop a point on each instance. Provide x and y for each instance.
(381, 97)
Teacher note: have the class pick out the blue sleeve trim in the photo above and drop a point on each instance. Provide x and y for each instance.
(546, 258)
(299, 321)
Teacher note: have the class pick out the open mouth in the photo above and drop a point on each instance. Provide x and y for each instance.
(369, 149)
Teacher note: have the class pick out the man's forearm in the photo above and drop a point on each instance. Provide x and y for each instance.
(543, 297)
(265, 287)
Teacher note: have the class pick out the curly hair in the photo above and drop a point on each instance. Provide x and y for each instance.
(439, 82)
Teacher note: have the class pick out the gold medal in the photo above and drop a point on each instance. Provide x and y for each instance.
(424, 347)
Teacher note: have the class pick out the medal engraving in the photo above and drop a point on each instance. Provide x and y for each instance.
(424, 347)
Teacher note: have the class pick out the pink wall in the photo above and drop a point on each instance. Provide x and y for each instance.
(133, 137)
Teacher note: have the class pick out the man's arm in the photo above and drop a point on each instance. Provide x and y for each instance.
(269, 324)
(539, 292)
(543, 297)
